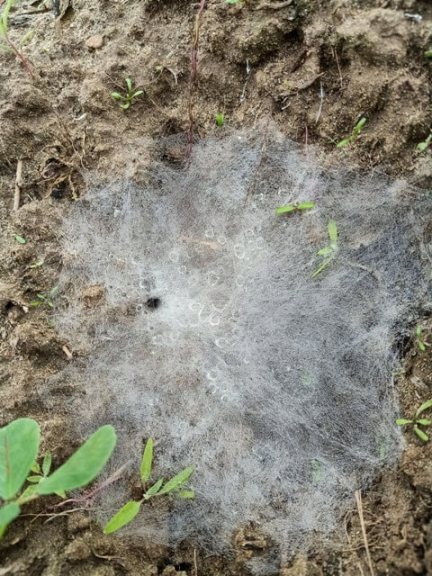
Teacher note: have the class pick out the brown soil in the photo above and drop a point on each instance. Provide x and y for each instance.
(258, 59)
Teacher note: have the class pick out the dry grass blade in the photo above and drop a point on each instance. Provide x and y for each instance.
(363, 527)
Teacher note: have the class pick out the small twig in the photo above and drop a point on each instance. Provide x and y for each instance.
(68, 353)
(194, 72)
(338, 66)
(248, 76)
(321, 95)
(195, 562)
(358, 498)
(18, 186)
(23, 59)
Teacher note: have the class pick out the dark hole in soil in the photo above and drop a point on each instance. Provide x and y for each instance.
(153, 303)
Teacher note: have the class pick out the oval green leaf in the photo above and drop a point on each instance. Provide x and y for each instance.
(285, 209)
(19, 446)
(83, 466)
(425, 406)
(153, 490)
(8, 513)
(123, 517)
(147, 461)
(422, 435)
(177, 480)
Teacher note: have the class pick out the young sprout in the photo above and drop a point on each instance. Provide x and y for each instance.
(420, 339)
(46, 299)
(354, 134)
(20, 239)
(416, 421)
(150, 490)
(428, 53)
(422, 146)
(125, 100)
(329, 251)
(296, 207)
(219, 119)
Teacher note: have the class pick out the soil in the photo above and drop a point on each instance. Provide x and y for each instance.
(315, 68)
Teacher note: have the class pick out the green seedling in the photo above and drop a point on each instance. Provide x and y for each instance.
(422, 146)
(428, 53)
(6, 43)
(150, 490)
(125, 100)
(20, 239)
(354, 134)
(232, 2)
(330, 250)
(45, 299)
(220, 119)
(420, 339)
(19, 447)
(296, 207)
(417, 422)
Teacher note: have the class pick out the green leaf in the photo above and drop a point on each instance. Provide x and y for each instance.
(8, 513)
(403, 421)
(19, 446)
(325, 251)
(344, 142)
(20, 239)
(219, 119)
(83, 466)
(424, 421)
(422, 146)
(332, 231)
(153, 490)
(129, 85)
(428, 54)
(35, 468)
(287, 209)
(125, 106)
(186, 494)
(34, 479)
(123, 517)
(422, 435)
(46, 464)
(137, 93)
(147, 461)
(117, 96)
(421, 346)
(308, 205)
(360, 125)
(28, 494)
(425, 406)
(177, 480)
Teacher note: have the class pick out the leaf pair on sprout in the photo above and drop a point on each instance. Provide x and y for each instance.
(19, 447)
(329, 251)
(295, 207)
(417, 422)
(132, 508)
(125, 100)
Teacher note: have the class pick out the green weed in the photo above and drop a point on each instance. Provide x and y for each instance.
(19, 447)
(354, 134)
(20, 239)
(420, 339)
(330, 250)
(45, 299)
(422, 146)
(125, 100)
(416, 422)
(428, 53)
(150, 490)
(220, 119)
(296, 207)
